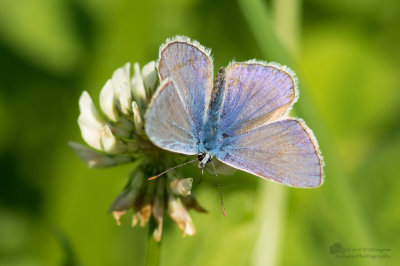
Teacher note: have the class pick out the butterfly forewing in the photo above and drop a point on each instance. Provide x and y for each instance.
(255, 93)
(190, 66)
(166, 123)
(176, 115)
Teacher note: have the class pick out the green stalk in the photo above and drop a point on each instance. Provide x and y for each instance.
(274, 196)
(273, 199)
(287, 22)
(345, 205)
(153, 248)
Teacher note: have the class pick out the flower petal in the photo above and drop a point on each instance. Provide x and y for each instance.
(90, 121)
(180, 215)
(89, 133)
(110, 143)
(107, 101)
(88, 109)
(138, 90)
(149, 74)
(125, 94)
(137, 119)
(144, 214)
(117, 215)
(134, 220)
(95, 159)
(120, 80)
(158, 214)
(182, 186)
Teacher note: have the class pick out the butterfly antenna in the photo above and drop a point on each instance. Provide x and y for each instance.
(170, 169)
(219, 188)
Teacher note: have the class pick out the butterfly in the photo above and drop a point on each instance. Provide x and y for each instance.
(240, 118)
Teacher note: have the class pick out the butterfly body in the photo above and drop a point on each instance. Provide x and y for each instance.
(204, 158)
(240, 117)
(211, 132)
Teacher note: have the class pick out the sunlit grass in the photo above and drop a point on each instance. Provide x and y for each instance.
(261, 24)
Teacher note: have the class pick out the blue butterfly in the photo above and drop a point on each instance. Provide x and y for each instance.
(240, 118)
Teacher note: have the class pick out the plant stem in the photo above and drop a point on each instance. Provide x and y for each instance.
(153, 249)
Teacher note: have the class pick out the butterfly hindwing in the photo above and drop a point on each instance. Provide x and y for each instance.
(284, 151)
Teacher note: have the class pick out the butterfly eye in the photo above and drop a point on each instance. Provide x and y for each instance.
(200, 156)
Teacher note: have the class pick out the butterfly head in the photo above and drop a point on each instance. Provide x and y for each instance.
(203, 158)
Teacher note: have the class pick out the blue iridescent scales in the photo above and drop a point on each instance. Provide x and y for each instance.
(241, 118)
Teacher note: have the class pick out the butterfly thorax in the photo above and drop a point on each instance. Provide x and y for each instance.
(204, 158)
(211, 129)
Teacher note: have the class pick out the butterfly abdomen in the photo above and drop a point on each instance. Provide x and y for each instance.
(211, 127)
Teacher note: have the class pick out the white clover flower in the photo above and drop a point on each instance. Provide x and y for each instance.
(116, 136)
(122, 116)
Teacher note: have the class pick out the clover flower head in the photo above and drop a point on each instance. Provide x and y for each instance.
(116, 136)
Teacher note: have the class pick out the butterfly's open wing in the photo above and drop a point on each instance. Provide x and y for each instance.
(284, 151)
(167, 122)
(256, 95)
(176, 114)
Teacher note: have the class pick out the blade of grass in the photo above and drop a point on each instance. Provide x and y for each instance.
(273, 199)
(346, 205)
(273, 196)
(286, 22)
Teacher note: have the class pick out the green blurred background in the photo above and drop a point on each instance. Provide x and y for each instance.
(53, 209)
